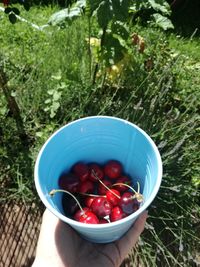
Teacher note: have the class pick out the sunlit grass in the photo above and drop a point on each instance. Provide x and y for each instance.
(163, 101)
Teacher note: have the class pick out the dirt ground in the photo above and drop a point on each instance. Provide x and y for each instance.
(19, 230)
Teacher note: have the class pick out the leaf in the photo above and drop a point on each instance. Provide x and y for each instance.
(68, 13)
(26, 5)
(120, 29)
(12, 18)
(160, 6)
(16, 11)
(92, 6)
(163, 22)
(120, 9)
(104, 13)
(81, 3)
(56, 95)
(114, 51)
(47, 101)
(7, 10)
(57, 76)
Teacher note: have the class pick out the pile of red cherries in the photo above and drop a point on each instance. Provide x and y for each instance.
(97, 194)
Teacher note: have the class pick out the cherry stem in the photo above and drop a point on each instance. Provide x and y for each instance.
(130, 187)
(93, 172)
(138, 196)
(138, 184)
(54, 191)
(91, 195)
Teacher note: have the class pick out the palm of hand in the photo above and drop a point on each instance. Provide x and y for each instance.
(61, 246)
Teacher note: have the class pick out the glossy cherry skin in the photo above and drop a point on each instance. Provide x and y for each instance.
(113, 169)
(86, 187)
(81, 170)
(102, 189)
(95, 168)
(69, 182)
(89, 217)
(101, 207)
(117, 214)
(79, 213)
(69, 204)
(88, 201)
(112, 198)
(128, 202)
(122, 180)
(101, 221)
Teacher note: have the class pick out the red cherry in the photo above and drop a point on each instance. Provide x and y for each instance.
(79, 213)
(101, 207)
(89, 218)
(95, 171)
(111, 196)
(136, 207)
(101, 221)
(69, 182)
(102, 189)
(86, 187)
(128, 202)
(113, 169)
(117, 214)
(69, 204)
(88, 201)
(81, 170)
(122, 180)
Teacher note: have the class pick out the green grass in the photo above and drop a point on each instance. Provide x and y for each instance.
(48, 75)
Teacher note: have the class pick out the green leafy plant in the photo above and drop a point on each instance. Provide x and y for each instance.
(52, 103)
(12, 10)
(155, 11)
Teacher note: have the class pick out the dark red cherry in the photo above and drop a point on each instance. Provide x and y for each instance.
(122, 180)
(69, 182)
(79, 213)
(89, 218)
(88, 201)
(81, 170)
(117, 214)
(113, 169)
(101, 207)
(101, 221)
(102, 189)
(86, 187)
(136, 205)
(69, 204)
(95, 171)
(113, 196)
(127, 202)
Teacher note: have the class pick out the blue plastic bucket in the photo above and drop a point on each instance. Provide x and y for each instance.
(99, 139)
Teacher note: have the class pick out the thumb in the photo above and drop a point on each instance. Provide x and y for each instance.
(131, 237)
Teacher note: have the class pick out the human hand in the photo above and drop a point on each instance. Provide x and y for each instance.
(60, 246)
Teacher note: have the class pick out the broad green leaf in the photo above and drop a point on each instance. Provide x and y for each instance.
(120, 9)
(81, 3)
(92, 5)
(66, 14)
(16, 10)
(104, 13)
(120, 29)
(160, 6)
(12, 18)
(114, 51)
(162, 22)
(7, 10)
